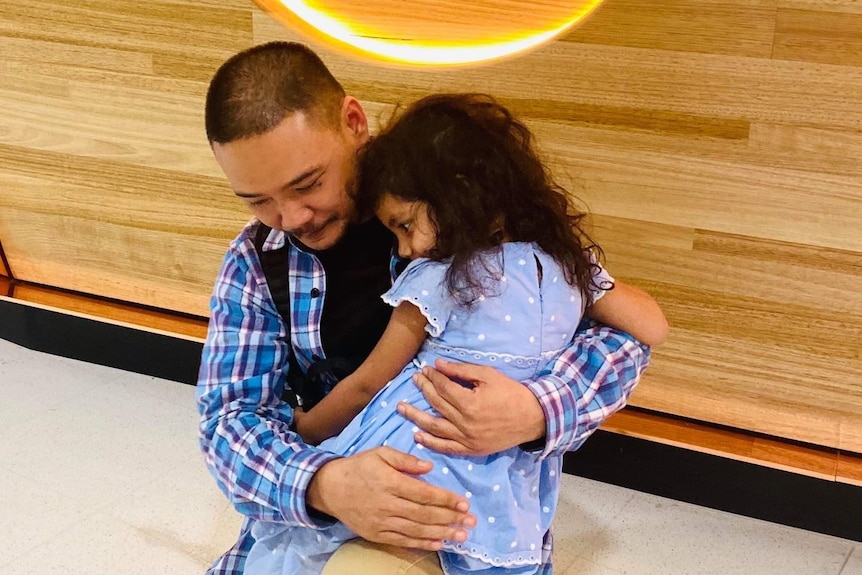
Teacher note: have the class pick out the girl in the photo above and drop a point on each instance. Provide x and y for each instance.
(501, 273)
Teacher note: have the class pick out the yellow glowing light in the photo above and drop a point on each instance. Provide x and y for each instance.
(429, 33)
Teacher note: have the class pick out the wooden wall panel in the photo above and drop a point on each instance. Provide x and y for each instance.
(817, 36)
(717, 143)
(107, 185)
(113, 312)
(731, 27)
(824, 6)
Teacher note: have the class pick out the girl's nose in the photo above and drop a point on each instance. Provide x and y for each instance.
(404, 250)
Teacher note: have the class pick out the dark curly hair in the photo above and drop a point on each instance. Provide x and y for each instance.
(476, 168)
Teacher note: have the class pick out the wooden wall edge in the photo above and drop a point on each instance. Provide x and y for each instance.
(741, 445)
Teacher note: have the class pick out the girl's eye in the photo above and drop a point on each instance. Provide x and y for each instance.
(405, 226)
(258, 203)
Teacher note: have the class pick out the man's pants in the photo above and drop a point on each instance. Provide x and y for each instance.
(363, 558)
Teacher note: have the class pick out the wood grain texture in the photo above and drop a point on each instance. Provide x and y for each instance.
(740, 28)
(817, 36)
(115, 312)
(723, 442)
(717, 143)
(849, 469)
(829, 6)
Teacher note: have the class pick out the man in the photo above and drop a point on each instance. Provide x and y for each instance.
(286, 135)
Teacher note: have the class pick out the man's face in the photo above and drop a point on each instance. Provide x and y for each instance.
(296, 177)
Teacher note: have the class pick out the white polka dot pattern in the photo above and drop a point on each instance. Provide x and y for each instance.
(517, 327)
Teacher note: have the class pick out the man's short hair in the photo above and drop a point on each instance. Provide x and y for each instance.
(254, 90)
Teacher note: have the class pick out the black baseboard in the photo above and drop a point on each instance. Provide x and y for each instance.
(676, 473)
(717, 482)
(101, 343)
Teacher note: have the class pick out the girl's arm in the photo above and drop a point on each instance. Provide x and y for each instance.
(633, 311)
(399, 343)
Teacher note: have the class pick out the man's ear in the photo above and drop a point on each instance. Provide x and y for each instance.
(353, 118)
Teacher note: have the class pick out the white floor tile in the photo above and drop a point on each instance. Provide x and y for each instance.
(854, 563)
(100, 473)
(103, 545)
(657, 536)
(583, 566)
(91, 432)
(186, 508)
(32, 515)
(585, 516)
(11, 353)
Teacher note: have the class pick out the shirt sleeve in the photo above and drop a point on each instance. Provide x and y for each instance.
(262, 466)
(587, 383)
(423, 284)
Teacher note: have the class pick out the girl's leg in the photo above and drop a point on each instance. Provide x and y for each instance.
(360, 557)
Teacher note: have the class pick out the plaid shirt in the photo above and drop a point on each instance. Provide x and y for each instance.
(264, 468)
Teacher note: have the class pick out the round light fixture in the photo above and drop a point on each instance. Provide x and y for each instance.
(430, 32)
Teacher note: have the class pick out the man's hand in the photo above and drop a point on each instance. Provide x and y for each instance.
(498, 413)
(374, 494)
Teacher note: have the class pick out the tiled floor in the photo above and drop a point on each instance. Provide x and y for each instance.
(100, 474)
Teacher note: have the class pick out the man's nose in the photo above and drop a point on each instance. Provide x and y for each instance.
(294, 216)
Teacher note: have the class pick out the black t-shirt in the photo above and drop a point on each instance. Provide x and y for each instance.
(357, 274)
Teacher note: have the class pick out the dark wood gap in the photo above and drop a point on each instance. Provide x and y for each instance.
(7, 269)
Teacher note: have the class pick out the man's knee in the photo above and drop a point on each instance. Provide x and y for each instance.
(363, 558)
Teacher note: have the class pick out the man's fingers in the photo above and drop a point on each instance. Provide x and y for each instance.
(434, 392)
(377, 494)
(429, 522)
(419, 492)
(419, 534)
(441, 445)
(450, 391)
(468, 372)
(403, 462)
(433, 425)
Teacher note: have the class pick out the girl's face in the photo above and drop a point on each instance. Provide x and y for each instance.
(411, 224)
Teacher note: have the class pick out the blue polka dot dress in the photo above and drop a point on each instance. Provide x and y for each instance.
(523, 321)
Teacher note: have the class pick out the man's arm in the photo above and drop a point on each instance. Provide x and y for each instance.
(590, 381)
(262, 467)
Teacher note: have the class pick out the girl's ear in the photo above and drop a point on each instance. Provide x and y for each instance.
(498, 230)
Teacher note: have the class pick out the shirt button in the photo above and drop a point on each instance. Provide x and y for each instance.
(315, 292)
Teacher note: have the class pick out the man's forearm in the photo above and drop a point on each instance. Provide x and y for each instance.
(588, 383)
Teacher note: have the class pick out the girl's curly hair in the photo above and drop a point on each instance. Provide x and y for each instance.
(476, 168)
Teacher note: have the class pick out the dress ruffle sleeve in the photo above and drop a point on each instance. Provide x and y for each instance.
(602, 282)
(423, 284)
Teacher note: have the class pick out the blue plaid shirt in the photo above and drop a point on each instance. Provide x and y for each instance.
(264, 468)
